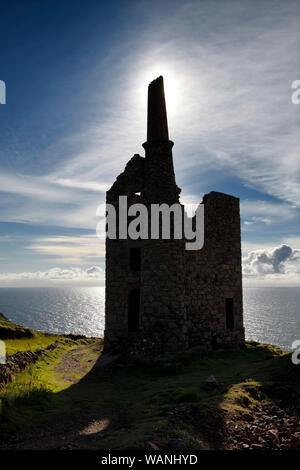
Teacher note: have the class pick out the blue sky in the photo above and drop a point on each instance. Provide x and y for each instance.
(76, 75)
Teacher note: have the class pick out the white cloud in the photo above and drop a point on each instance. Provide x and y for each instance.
(55, 276)
(293, 241)
(277, 264)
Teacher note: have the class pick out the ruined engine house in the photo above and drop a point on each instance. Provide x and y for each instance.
(160, 297)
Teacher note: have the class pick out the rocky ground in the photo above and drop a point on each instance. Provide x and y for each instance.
(266, 427)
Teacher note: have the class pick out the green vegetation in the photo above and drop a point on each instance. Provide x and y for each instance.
(135, 401)
(33, 390)
(37, 341)
(11, 330)
(18, 338)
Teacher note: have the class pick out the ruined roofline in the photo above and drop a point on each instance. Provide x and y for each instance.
(219, 194)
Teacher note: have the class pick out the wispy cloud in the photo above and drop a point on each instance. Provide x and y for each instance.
(231, 73)
(228, 69)
(88, 185)
(263, 212)
(46, 200)
(69, 250)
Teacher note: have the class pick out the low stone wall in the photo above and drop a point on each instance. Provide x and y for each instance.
(15, 332)
(21, 361)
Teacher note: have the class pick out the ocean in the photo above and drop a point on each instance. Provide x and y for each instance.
(271, 314)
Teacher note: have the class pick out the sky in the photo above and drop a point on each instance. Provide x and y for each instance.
(76, 76)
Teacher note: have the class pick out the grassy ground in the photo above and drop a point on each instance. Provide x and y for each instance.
(66, 400)
(37, 341)
(18, 338)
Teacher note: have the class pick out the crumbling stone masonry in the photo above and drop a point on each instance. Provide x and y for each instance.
(161, 298)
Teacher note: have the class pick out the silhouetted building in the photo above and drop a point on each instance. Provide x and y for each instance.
(159, 296)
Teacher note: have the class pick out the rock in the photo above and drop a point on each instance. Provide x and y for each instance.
(274, 434)
(175, 444)
(257, 446)
(153, 445)
(248, 417)
(211, 382)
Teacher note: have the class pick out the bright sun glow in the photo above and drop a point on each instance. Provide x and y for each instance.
(170, 84)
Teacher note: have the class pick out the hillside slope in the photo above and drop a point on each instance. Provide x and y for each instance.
(68, 399)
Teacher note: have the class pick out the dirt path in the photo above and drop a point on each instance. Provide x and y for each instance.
(75, 364)
(68, 430)
(62, 435)
(94, 405)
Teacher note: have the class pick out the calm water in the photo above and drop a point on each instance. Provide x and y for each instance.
(271, 314)
(66, 310)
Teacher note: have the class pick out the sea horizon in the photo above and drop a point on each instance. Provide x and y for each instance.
(270, 313)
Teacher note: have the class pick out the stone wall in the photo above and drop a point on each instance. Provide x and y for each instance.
(213, 274)
(21, 361)
(163, 326)
(119, 277)
(182, 293)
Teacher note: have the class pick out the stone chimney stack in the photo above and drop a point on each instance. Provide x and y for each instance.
(157, 126)
(160, 185)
